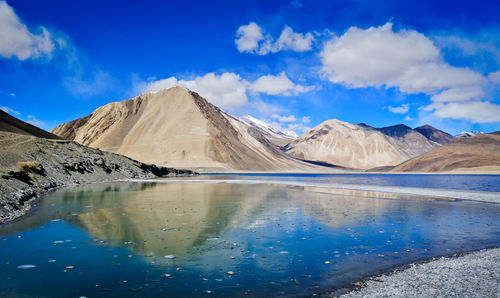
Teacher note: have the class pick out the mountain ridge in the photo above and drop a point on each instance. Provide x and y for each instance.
(359, 145)
(181, 128)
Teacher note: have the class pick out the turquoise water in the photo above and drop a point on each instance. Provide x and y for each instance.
(224, 239)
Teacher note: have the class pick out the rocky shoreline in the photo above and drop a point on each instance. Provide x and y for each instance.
(465, 275)
(31, 166)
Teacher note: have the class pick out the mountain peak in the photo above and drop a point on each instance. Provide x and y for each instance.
(178, 128)
(434, 134)
(398, 130)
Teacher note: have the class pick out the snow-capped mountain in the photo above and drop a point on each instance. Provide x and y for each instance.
(467, 134)
(268, 127)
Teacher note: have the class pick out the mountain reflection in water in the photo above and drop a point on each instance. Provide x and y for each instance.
(276, 239)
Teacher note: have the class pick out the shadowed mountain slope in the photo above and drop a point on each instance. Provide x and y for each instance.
(10, 123)
(435, 134)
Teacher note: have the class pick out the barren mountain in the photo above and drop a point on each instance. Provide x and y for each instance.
(177, 127)
(474, 153)
(359, 145)
(12, 124)
(435, 134)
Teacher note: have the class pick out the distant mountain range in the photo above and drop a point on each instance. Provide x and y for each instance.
(179, 128)
(274, 135)
(468, 134)
(359, 145)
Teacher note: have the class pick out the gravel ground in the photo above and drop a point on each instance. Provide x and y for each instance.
(473, 275)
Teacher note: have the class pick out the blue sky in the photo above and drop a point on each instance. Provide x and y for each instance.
(291, 63)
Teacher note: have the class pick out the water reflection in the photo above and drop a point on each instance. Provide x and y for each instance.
(161, 219)
(276, 239)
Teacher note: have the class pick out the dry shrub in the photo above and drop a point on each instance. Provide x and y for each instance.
(29, 166)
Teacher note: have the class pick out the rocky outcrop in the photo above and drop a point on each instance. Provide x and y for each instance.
(178, 128)
(31, 166)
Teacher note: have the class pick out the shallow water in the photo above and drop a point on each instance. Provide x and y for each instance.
(439, 181)
(150, 239)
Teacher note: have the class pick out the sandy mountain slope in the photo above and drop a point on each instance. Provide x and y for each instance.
(177, 127)
(359, 145)
(481, 153)
(435, 134)
(12, 124)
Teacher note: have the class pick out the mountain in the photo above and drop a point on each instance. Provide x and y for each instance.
(468, 134)
(481, 152)
(177, 127)
(12, 124)
(359, 145)
(435, 134)
(274, 135)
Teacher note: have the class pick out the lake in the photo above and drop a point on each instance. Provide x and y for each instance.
(224, 236)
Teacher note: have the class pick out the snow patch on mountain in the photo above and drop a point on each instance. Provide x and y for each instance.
(268, 127)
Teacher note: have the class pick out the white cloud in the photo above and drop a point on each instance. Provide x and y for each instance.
(227, 90)
(408, 118)
(479, 43)
(475, 111)
(278, 85)
(306, 119)
(459, 94)
(10, 111)
(280, 118)
(298, 127)
(290, 40)
(494, 77)
(408, 60)
(248, 37)
(34, 121)
(290, 129)
(403, 109)
(251, 39)
(17, 41)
